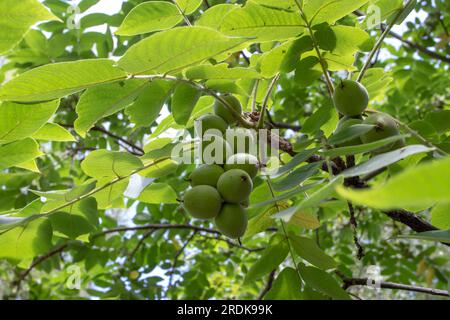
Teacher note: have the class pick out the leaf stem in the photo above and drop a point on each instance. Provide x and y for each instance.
(182, 13)
(266, 101)
(283, 227)
(380, 42)
(328, 80)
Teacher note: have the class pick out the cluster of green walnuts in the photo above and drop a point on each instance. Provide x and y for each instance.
(351, 100)
(221, 190)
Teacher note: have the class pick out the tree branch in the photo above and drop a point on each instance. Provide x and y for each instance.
(268, 285)
(112, 135)
(396, 286)
(175, 260)
(410, 44)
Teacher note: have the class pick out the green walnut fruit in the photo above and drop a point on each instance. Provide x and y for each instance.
(345, 123)
(235, 186)
(222, 111)
(215, 150)
(350, 98)
(210, 121)
(232, 220)
(243, 161)
(202, 202)
(206, 174)
(385, 127)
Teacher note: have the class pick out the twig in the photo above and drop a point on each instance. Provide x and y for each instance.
(354, 224)
(38, 261)
(263, 110)
(268, 285)
(175, 260)
(141, 242)
(234, 245)
(410, 44)
(316, 48)
(396, 286)
(380, 42)
(110, 134)
(182, 13)
(156, 227)
(254, 94)
(283, 227)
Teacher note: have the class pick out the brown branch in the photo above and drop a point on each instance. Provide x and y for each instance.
(141, 242)
(420, 48)
(268, 285)
(112, 135)
(354, 224)
(156, 226)
(396, 286)
(38, 261)
(234, 245)
(175, 260)
(410, 44)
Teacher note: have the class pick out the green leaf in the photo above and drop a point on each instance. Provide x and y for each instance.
(350, 133)
(102, 101)
(173, 50)
(319, 119)
(343, 40)
(220, 71)
(57, 80)
(16, 18)
(112, 195)
(440, 216)
(53, 132)
(18, 152)
(103, 164)
(297, 177)
(289, 5)
(84, 5)
(149, 17)
(286, 286)
(287, 195)
(15, 181)
(184, 99)
(384, 160)
(320, 11)
(293, 54)
(306, 219)
(271, 258)
(203, 106)
(158, 193)
(440, 120)
(424, 185)
(189, 6)
(363, 148)
(19, 121)
(323, 282)
(310, 251)
(214, 16)
(144, 111)
(299, 158)
(26, 241)
(76, 220)
(376, 81)
(312, 200)
(262, 23)
(438, 235)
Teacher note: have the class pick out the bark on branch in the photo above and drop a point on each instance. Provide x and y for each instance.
(396, 286)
